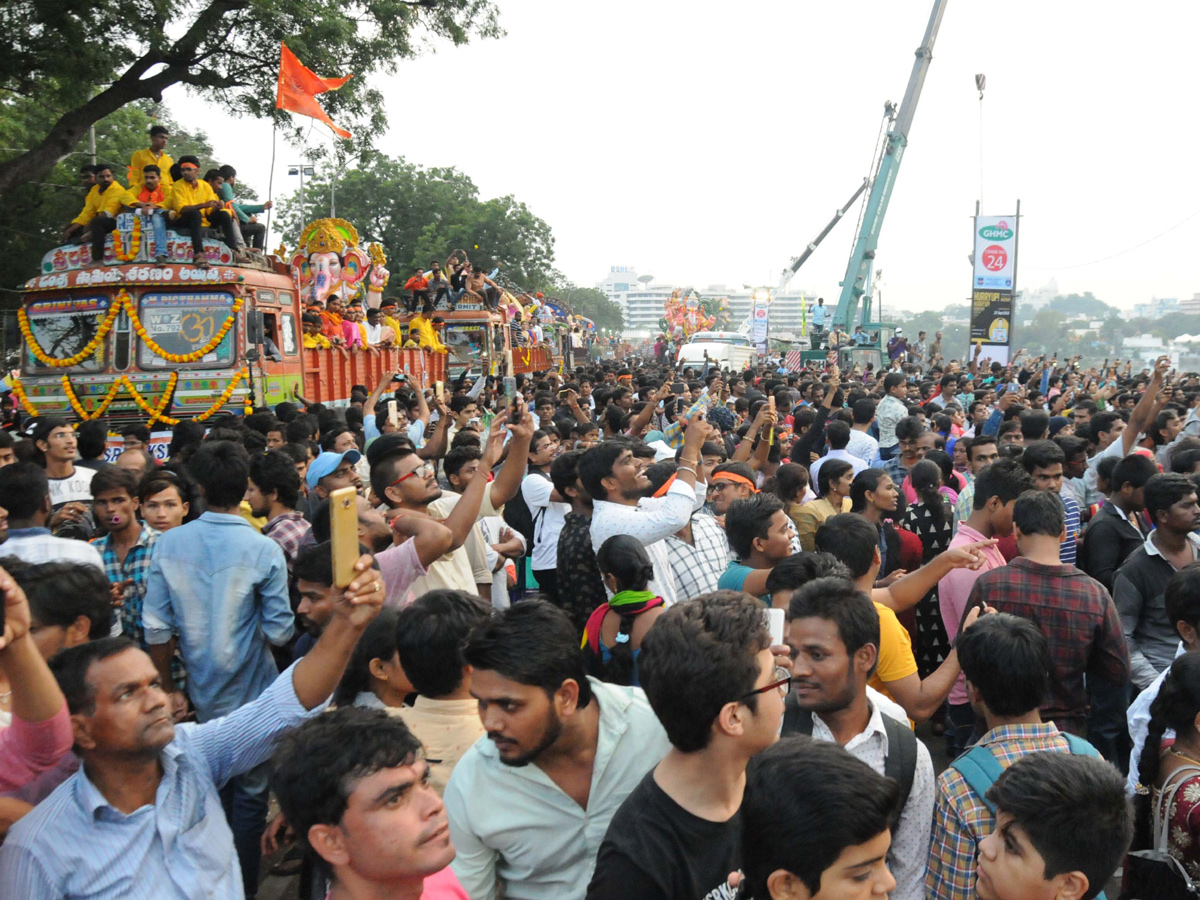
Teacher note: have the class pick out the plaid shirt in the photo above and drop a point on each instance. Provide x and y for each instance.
(697, 566)
(1079, 620)
(673, 433)
(288, 530)
(961, 819)
(135, 568)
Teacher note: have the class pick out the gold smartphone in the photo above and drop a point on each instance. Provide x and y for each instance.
(343, 532)
(438, 390)
(391, 413)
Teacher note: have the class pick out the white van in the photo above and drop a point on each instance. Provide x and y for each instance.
(726, 349)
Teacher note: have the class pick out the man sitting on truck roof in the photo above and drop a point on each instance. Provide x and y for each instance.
(194, 207)
(148, 198)
(99, 214)
(154, 155)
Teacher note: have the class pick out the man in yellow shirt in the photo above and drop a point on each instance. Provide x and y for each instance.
(387, 311)
(313, 339)
(99, 215)
(194, 207)
(154, 155)
(425, 331)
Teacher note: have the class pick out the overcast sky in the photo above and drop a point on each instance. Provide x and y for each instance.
(708, 142)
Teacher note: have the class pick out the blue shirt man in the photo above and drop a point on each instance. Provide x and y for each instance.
(221, 586)
(819, 313)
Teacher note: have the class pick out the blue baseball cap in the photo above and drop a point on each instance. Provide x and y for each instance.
(327, 463)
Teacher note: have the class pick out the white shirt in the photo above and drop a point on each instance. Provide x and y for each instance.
(887, 414)
(515, 824)
(38, 545)
(863, 446)
(77, 486)
(1138, 718)
(490, 527)
(855, 461)
(909, 854)
(650, 522)
(549, 516)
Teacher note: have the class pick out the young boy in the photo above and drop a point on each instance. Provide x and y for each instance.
(127, 547)
(1062, 828)
(815, 838)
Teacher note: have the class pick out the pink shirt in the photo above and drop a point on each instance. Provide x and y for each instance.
(955, 588)
(29, 748)
(400, 567)
(351, 333)
(441, 886)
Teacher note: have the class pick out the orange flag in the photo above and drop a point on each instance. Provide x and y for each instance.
(298, 87)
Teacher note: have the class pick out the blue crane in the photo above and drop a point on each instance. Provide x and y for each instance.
(857, 281)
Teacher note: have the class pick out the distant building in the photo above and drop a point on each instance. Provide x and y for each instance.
(1191, 307)
(643, 302)
(1157, 307)
(1029, 301)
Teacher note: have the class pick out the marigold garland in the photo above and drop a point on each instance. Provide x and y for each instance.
(126, 300)
(19, 390)
(156, 413)
(45, 359)
(123, 300)
(135, 241)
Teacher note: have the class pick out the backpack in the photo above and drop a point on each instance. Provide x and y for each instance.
(519, 517)
(900, 763)
(980, 769)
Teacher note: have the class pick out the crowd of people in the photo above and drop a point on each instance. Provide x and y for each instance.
(634, 632)
(167, 194)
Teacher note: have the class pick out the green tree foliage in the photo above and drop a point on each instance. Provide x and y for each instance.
(419, 215)
(39, 210)
(85, 59)
(1082, 305)
(591, 303)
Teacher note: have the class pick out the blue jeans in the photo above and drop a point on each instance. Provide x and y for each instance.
(158, 222)
(245, 800)
(960, 728)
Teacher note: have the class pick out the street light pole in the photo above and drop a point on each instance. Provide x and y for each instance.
(301, 169)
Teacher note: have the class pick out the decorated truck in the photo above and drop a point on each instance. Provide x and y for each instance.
(135, 341)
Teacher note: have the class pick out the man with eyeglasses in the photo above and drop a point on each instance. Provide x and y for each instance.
(707, 669)
(833, 634)
(408, 485)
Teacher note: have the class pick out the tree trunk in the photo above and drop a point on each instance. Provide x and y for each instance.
(37, 162)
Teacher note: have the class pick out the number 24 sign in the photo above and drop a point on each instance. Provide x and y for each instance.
(994, 258)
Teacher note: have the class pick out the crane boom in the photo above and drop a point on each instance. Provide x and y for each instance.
(858, 270)
(800, 260)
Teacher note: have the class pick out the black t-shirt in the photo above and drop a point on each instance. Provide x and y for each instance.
(654, 849)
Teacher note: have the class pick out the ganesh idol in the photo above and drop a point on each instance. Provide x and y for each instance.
(331, 266)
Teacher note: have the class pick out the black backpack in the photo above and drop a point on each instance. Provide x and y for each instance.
(519, 517)
(900, 763)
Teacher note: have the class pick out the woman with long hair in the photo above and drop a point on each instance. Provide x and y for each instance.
(790, 485)
(374, 677)
(953, 483)
(931, 519)
(834, 478)
(613, 637)
(875, 497)
(1169, 770)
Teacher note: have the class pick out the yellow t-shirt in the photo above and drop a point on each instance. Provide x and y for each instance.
(183, 194)
(146, 157)
(896, 658)
(316, 342)
(110, 202)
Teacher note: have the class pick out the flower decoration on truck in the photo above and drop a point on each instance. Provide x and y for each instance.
(156, 413)
(123, 301)
(135, 242)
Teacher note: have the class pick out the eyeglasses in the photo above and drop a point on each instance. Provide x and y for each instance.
(783, 684)
(424, 469)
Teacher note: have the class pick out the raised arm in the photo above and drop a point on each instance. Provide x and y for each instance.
(462, 518)
(508, 479)
(906, 592)
(431, 539)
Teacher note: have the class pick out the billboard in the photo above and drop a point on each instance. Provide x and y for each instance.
(995, 253)
(993, 285)
(759, 320)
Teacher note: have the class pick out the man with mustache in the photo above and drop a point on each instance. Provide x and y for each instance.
(531, 801)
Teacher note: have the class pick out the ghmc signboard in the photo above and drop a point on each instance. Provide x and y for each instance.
(995, 253)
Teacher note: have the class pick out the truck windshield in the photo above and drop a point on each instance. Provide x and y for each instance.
(182, 323)
(65, 326)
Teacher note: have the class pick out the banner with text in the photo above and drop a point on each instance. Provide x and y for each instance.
(760, 316)
(993, 286)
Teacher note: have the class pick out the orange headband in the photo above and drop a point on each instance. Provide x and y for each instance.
(662, 491)
(189, 166)
(736, 479)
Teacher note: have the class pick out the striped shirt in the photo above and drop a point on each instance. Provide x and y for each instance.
(74, 844)
(1069, 547)
(961, 819)
(698, 566)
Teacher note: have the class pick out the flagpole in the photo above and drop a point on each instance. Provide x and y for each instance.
(271, 183)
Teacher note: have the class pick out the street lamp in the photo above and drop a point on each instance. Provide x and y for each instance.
(301, 170)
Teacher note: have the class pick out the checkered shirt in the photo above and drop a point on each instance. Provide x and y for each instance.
(1079, 620)
(697, 566)
(135, 568)
(960, 817)
(288, 530)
